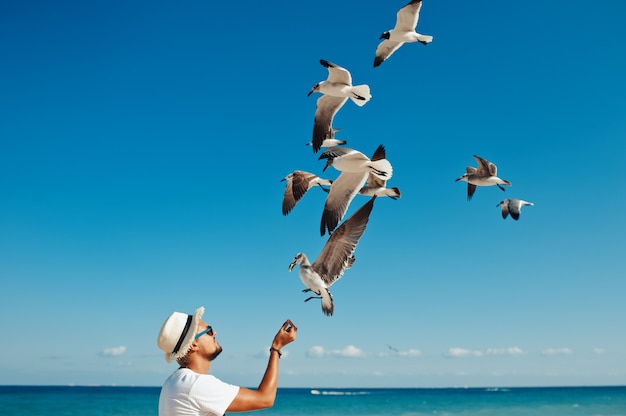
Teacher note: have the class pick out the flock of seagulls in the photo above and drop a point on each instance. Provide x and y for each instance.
(358, 173)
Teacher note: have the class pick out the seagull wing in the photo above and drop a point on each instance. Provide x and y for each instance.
(384, 50)
(406, 18)
(337, 74)
(485, 167)
(288, 200)
(379, 154)
(342, 192)
(301, 183)
(327, 107)
(298, 183)
(505, 208)
(338, 151)
(336, 256)
(515, 207)
(471, 188)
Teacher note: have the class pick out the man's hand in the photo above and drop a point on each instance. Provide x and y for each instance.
(285, 335)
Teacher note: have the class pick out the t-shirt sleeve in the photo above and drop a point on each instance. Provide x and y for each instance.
(213, 395)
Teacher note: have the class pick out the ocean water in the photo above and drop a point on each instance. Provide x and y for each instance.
(553, 401)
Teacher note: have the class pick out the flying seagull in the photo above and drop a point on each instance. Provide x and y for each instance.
(330, 139)
(336, 256)
(298, 183)
(355, 168)
(392, 348)
(484, 175)
(336, 90)
(513, 206)
(403, 32)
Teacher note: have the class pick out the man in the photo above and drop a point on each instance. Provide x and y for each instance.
(190, 390)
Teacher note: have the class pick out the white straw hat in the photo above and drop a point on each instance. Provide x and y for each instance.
(177, 334)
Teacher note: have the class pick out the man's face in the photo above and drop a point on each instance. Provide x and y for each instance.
(208, 345)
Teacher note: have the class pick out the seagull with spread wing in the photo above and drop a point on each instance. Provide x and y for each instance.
(336, 90)
(336, 256)
(513, 206)
(359, 175)
(298, 184)
(484, 175)
(403, 32)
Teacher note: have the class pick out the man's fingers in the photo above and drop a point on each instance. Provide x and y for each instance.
(288, 325)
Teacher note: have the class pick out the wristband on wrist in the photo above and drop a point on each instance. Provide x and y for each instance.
(277, 350)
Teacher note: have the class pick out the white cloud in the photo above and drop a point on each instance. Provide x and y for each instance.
(350, 351)
(599, 351)
(114, 351)
(462, 352)
(315, 351)
(511, 351)
(557, 351)
(410, 353)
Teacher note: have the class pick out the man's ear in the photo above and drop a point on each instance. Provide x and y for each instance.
(193, 346)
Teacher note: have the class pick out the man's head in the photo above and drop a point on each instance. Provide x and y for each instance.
(182, 334)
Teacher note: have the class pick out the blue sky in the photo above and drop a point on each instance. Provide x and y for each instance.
(142, 147)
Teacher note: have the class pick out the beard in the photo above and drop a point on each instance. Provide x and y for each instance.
(214, 355)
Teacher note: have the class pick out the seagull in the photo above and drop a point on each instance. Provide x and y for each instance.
(484, 175)
(336, 256)
(330, 139)
(513, 206)
(355, 168)
(336, 90)
(298, 183)
(403, 32)
(392, 348)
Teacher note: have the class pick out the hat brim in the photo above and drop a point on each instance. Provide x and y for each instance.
(189, 338)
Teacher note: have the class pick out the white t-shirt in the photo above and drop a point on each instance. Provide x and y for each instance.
(188, 393)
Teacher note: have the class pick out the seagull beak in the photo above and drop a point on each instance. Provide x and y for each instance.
(310, 92)
(291, 266)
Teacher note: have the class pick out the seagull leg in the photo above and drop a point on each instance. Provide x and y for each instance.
(312, 297)
(499, 186)
(306, 290)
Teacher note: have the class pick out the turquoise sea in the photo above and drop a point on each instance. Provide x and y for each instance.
(552, 401)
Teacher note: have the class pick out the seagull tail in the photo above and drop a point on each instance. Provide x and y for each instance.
(381, 169)
(328, 308)
(360, 94)
(424, 39)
